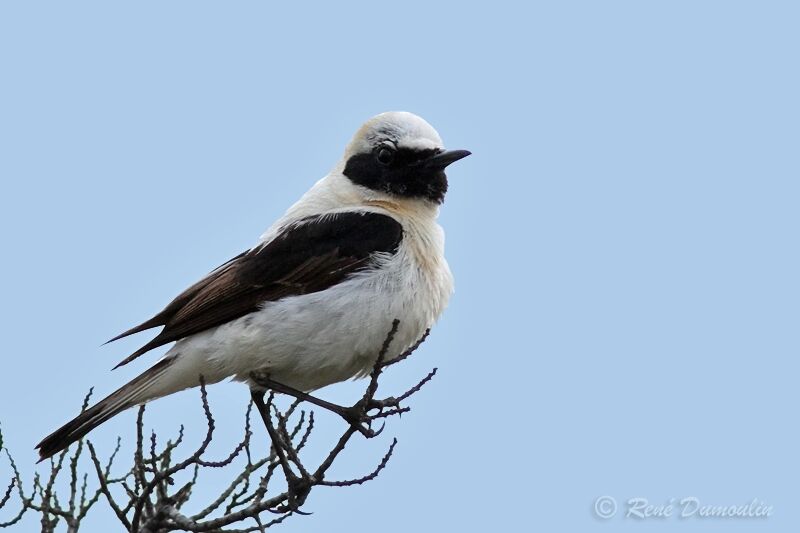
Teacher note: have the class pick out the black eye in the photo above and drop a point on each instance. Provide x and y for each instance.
(385, 155)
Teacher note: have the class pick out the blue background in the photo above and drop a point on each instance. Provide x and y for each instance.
(624, 238)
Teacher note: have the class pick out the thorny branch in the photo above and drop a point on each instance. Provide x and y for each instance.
(150, 496)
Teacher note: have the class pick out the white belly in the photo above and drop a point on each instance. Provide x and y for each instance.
(317, 339)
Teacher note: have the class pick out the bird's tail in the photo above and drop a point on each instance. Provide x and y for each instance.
(137, 391)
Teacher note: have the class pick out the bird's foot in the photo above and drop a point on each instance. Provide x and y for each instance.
(359, 419)
(298, 489)
(357, 415)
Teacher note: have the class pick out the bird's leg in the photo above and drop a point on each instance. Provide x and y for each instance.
(355, 415)
(299, 487)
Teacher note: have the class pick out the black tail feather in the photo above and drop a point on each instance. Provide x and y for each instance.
(129, 395)
(74, 430)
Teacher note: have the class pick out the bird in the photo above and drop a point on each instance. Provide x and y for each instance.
(311, 302)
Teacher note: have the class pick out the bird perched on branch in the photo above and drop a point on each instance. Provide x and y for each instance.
(310, 304)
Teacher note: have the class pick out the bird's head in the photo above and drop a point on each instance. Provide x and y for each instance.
(400, 154)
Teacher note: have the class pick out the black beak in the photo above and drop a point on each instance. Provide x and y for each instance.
(443, 159)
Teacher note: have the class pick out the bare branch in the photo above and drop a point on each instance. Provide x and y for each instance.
(369, 477)
(148, 497)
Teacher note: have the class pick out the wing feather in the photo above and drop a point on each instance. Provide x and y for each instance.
(310, 256)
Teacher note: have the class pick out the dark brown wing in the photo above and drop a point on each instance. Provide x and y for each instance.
(310, 256)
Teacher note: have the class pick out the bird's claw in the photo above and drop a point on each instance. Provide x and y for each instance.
(298, 489)
(359, 420)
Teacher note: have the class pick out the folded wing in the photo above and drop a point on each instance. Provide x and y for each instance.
(309, 256)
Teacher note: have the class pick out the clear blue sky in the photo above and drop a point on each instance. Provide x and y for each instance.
(624, 238)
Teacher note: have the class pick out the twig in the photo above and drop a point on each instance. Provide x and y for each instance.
(149, 496)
